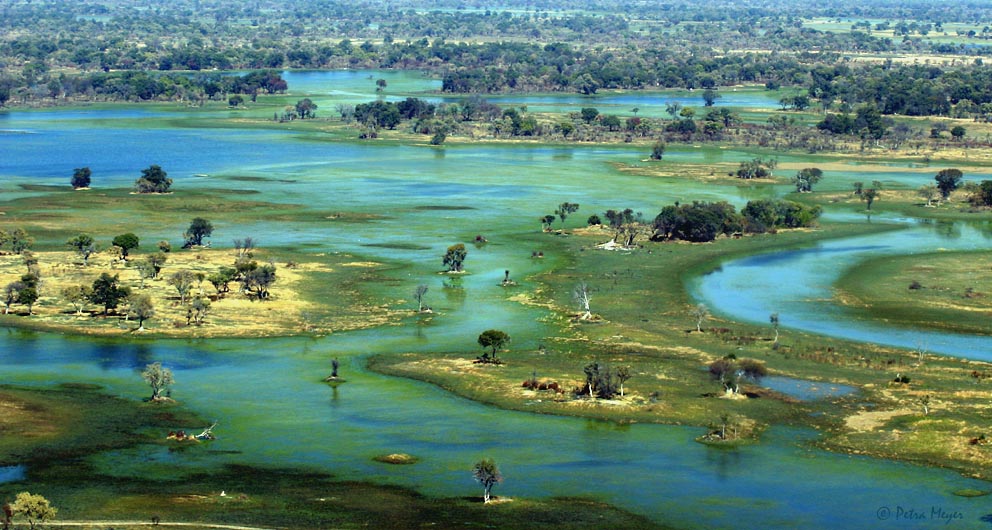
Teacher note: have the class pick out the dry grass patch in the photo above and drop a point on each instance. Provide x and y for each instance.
(230, 314)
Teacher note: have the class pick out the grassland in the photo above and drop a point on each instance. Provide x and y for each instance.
(646, 324)
(297, 301)
(946, 291)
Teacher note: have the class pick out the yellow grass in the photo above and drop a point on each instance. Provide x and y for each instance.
(233, 314)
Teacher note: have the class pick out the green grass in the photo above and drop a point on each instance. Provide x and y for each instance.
(643, 301)
(71, 421)
(951, 295)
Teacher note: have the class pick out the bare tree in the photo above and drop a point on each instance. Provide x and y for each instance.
(582, 297)
(623, 375)
(700, 312)
(418, 295)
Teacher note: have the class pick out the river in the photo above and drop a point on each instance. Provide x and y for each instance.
(274, 410)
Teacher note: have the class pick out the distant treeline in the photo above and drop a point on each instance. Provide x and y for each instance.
(526, 45)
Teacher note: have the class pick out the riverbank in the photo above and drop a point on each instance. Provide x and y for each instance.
(647, 325)
(43, 425)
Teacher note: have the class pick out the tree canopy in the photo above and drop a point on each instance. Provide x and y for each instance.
(153, 180)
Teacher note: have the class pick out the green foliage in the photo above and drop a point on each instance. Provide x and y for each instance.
(153, 180)
(806, 178)
(20, 241)
(658, 150)
(199, 228)
(710, 96)
(141, 309)
(159, 378)
(565, 209)
(493, 339)
(454, 258)
(763, 215)
(81, 177)
(83, 245)
(983, 194)
(730, 372)
(305, 108)
(589, 114)
(948, 180)
(108, 293)
(698, 222)
(756, 168)
(126, 242)
(487, 474)
(35, 508)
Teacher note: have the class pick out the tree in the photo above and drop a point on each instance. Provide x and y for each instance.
(20, 240)
(198, 229)
(582, 296)
(982, 194)
(958, 132)
(81, 178)
(773, 318)
(611, 122)
(546, 222)
(157, 261)
(730, 372)
(858, 187)
(159, 378)
(380, 85)
(200, 306)
(455, 257)
(564, 210)
(806, 178)
(673, 109)
(756, 168)
(153, 180)
(928, 192)
(589, 114)
(141, 309)
(710, 96)
(235, 100)
(183, 282)
(83, 245)
(221, 278)
(126, 242)
(658, 150)
(305, 108)
(77, 295)
(623, 375)
(10, 293)
(107, 292)
(493, 339)
(418, 295)
(260, 279)
(869, 195)
(28, 296)
(487, 474)
(948, 180)
(700, 312)
(35, 508)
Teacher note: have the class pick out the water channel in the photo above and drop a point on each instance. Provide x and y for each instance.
(275, 411)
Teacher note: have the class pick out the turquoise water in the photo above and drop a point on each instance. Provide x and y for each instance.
(267, 394)
(797, 284)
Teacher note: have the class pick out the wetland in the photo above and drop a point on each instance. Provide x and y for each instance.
(368, 221)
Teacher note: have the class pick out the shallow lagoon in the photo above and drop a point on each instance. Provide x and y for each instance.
(274, 410)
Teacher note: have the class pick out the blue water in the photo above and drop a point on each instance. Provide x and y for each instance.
(273, 409)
